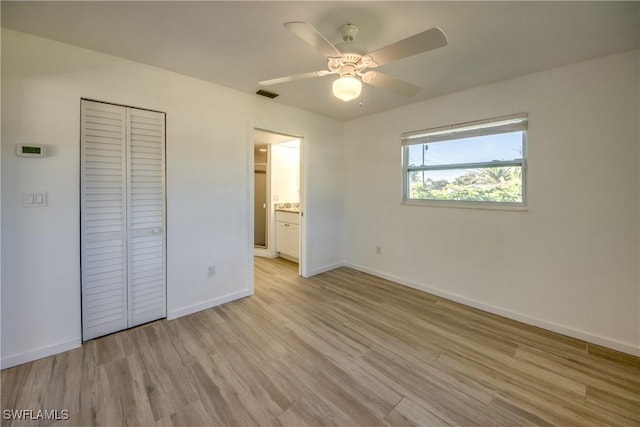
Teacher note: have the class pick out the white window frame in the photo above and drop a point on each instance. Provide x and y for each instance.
(492, 126)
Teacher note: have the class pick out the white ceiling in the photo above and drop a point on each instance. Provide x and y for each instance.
(238, 43)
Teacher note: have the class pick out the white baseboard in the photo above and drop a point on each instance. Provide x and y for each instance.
(550, 326)
(39, 353)
(174, 314)
(29, 356)
(289, 258)
(326, 268)
(265, 253)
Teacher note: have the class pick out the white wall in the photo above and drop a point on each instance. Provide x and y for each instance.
(209, 142)
(285, 166)
(569, 263)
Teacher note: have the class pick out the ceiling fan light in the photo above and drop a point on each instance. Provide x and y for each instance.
(347, 88)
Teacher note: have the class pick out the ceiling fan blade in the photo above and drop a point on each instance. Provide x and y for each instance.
(384, 81)
(295, 77)
(309, 34)
(419, 43)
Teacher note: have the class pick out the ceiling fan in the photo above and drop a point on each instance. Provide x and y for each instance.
(352, 65)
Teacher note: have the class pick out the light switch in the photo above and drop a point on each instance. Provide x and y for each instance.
(33, 199)
(41, 199)
(27, 199)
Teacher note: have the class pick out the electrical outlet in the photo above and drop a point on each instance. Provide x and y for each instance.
(212, 270)
(378, 250)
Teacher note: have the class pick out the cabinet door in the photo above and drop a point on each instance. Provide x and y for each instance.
(287, 238)
(281, 245)
(293, 233)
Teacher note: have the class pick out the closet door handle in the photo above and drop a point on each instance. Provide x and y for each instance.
(156, 231)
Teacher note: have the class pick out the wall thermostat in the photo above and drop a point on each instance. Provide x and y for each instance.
(25, 150)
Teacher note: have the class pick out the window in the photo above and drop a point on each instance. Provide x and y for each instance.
(474, 164)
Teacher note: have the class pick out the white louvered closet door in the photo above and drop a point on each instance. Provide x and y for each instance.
(147, 295)
(122, 218)
(103, 219)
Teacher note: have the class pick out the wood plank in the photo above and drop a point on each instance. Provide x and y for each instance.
(409, 413)
(301, 414)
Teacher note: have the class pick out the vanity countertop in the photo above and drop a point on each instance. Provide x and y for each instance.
(288, 207)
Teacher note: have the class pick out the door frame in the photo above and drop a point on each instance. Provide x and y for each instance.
(302, 260)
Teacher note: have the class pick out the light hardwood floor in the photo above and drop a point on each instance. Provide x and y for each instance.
(342, 348)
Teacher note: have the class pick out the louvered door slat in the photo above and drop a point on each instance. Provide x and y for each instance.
(103, 219)
(146, 189)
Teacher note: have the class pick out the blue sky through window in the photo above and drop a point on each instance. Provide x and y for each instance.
(487, 148)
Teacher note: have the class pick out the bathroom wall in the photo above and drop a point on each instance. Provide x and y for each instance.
(285, 167)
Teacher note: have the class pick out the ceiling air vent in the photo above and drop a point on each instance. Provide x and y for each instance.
(267, 93)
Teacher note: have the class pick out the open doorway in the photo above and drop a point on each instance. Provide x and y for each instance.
(277, 194)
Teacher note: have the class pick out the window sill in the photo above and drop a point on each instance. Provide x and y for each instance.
(514, 207)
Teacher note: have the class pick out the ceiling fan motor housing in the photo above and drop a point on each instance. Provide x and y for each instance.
(350, 64)
(347, 70)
